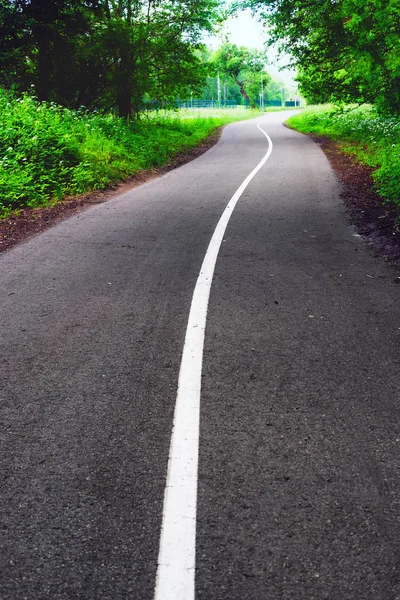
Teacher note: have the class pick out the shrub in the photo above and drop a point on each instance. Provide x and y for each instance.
(48, 152)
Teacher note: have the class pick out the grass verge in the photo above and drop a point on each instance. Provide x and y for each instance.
(373, 139)
(48, 152)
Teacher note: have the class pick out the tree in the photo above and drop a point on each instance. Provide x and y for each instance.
(244, 66)
(150, 48)
(346, 50)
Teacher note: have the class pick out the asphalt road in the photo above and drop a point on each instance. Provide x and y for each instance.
(298, 482)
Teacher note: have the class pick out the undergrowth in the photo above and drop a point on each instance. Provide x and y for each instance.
(373, 139)
(48, 152)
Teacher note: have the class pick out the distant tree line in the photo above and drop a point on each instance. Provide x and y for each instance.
(345, 50)
(240, 74)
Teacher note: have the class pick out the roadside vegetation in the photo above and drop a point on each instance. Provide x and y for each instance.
(373, 138)
(346, 52)
(48, 152)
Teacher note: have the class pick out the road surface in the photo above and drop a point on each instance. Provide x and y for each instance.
(297, 483)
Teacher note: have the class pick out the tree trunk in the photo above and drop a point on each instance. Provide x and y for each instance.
(42, 39)
(44, 65)
(124, 101)
(242, 90)
(124, 80)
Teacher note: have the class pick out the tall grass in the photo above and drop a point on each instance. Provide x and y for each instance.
(373, 139)
(48, 152)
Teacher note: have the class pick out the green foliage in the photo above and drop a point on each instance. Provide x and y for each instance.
(48, 152)
(373, 138)
(346, 50)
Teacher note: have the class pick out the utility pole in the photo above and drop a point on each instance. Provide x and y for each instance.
(219, 90)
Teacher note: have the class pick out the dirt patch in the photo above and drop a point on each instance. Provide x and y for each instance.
(31, 221)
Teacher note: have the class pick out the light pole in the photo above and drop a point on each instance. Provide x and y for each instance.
(297, 98)
(262, 93)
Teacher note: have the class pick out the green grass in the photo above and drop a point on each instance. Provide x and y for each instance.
(48, 152)
(373, 139)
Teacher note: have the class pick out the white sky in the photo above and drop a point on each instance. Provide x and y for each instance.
(245, 30)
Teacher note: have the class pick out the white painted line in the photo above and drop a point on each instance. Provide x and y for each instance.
(176, 559)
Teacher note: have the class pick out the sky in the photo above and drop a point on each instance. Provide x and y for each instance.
(245, 30)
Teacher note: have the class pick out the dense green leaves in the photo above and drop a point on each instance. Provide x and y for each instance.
(47, 151)
(346, 50)
(373, 30)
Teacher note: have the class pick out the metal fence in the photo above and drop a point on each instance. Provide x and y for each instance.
(192, 103)
(196, 104)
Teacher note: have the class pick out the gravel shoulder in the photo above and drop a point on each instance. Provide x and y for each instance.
(374, 219)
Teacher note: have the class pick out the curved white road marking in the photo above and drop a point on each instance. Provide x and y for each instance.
(176, 559)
